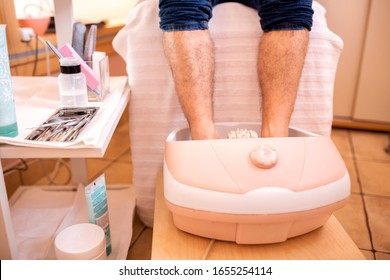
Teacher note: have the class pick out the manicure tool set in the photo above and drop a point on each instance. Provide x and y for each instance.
(64, 125)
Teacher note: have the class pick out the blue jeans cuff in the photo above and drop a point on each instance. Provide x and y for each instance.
(274, 14)
(184, 14)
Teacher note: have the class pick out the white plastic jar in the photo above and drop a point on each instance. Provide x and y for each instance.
(72, 83)
(83, 241)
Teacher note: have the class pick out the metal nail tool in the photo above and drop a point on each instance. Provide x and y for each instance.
(64, 125)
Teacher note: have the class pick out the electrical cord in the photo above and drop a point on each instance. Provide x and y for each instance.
(54, 173)
(37, 40)
(22, 166)
(47, 53)
(46, 10)
(36, 56)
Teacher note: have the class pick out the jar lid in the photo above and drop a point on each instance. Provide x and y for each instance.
(83, 241)
(70, 65)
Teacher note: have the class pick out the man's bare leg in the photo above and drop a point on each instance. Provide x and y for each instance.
(280, 62)
(191, 58)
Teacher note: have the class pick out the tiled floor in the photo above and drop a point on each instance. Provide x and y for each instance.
(366, 217)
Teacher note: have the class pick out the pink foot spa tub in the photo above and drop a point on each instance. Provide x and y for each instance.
(253, 190)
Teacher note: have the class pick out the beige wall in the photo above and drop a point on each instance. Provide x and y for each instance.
(373, 92)
(114, 11)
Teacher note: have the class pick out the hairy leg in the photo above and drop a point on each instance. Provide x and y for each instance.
(280, 62)
(191, 58)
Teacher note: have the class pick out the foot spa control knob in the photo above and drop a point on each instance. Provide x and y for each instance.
(264, 156)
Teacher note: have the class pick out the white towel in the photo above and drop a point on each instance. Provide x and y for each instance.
(235, 30)
(34, 108)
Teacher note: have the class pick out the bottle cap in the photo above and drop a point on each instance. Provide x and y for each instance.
(70, 65)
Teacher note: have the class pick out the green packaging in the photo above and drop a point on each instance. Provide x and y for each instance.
(96, 196)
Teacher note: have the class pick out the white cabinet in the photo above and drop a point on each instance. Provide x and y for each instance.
(373, 91)
(362, 86)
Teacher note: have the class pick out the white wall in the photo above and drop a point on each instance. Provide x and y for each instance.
(113, 11)
(33, 8)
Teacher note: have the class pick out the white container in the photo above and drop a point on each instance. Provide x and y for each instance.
(81, 242)
(72, 83)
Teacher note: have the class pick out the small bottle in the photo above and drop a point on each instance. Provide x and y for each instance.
(8, 124)
(72, 83)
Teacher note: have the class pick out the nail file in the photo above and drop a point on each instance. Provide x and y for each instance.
(90, 44)
(78, 39)
(93, 80)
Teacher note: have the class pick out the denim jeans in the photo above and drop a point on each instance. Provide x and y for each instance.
(274, 14)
